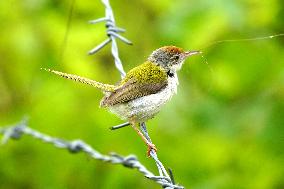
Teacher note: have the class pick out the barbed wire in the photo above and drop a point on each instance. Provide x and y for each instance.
(75, 146)
(113, 33)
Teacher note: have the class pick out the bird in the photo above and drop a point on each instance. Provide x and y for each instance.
(145, 89)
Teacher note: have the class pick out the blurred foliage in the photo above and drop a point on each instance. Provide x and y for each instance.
(224, 128)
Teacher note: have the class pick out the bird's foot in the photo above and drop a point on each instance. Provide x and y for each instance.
(150, 146)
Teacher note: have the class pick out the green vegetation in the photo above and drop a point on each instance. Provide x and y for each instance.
(224, 129)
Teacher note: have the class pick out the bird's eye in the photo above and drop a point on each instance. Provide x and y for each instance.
(176, 57)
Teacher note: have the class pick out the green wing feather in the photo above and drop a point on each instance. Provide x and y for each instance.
(143, 80)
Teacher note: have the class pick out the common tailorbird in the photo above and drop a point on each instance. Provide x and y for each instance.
(140, 95)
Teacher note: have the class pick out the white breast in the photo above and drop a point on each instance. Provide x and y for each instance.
(144, 108)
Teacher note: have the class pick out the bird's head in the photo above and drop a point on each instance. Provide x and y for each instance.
(170, 57)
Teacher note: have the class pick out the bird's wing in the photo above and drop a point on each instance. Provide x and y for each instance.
(146, 79)
(130, 91)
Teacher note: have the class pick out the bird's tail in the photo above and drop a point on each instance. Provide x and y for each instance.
(102, 86)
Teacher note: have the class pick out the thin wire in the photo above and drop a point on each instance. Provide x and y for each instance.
(68, 26)
(234, 40)
(242, 40)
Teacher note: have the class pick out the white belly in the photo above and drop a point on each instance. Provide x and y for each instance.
(144, 108)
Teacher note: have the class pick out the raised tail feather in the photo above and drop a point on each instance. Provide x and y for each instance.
(103, 87)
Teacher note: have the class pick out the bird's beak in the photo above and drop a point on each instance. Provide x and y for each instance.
(190, 53)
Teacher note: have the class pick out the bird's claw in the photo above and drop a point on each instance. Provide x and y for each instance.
(150, 146)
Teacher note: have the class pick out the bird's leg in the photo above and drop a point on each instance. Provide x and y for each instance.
(150, 145)
(143, 128)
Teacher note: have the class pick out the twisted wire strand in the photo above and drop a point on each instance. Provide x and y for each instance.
(76, 146)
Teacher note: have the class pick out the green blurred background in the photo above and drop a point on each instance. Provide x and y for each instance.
(224, 128)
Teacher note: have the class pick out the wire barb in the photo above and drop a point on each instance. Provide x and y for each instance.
(119, 126)
(171, 175)
(113, 33)
(77, 146)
